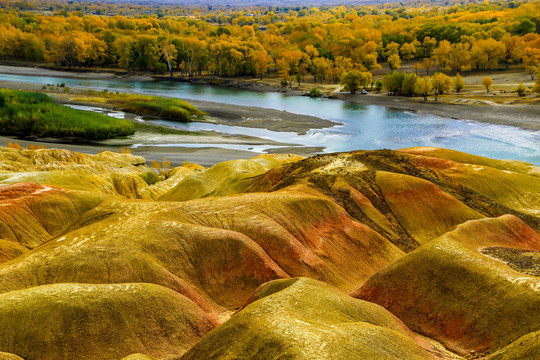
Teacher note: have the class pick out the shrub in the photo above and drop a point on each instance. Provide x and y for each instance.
(150, 177)
(161, 168)
(314, 93)
(536, 87)
(36, 147)
(521, 89)
(458, 83)
(14, 146)
(169, 108)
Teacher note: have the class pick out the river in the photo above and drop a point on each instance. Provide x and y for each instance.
(363, 127)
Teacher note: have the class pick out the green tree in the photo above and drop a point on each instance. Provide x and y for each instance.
(408, 84)
(354, 80)
(392, 82)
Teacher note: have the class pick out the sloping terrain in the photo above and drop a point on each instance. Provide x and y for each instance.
(80, 321)
(226, 178)
(106, 173)
(440, 238)
(225, 248)
(32, 214)
(305, 319)
(451, 291)
(526, 347)
(510, 183)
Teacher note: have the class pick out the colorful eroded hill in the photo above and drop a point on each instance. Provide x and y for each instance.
(252, 259)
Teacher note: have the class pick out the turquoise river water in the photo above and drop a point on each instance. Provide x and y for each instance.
(362, 127)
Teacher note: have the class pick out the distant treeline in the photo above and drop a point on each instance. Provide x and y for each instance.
(325, 42)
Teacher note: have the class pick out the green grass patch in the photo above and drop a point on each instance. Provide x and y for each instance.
(166, 108)
(37, 114)
(150, 177)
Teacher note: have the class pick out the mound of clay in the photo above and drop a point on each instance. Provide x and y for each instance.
(306, 319)
(449, 290)
(80, 321)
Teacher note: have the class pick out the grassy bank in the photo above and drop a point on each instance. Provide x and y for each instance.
(36, 114)
(166, 108)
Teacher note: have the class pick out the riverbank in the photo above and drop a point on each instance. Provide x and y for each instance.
(364, 127)
(204, 156)
(206, 148)
(496, 107)
(519, 115)
(218, 113)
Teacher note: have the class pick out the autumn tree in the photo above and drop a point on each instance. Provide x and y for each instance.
(513, 48)
(458, 83)
(408, 84)
(318, 68)
(169, 52)
(441, 54)
(485, 54)
(441, 84)
(429, 45)
(394, 62)
(423, 87)
(408, 51)
(459, 58)
(263, 62)
(427, 63)
(487, 81)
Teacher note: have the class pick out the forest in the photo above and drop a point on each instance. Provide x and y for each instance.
(291, 42)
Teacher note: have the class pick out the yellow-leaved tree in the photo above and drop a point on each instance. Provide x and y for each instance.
(441, 84)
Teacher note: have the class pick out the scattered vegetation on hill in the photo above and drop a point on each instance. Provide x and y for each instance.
(36, 114)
